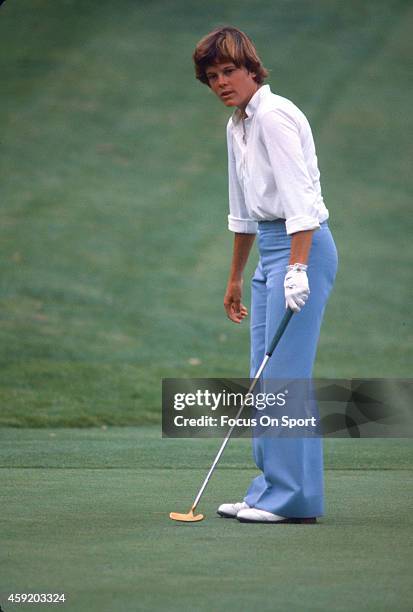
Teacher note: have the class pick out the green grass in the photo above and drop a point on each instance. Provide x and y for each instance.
(114, 255)
(113, 235)
(85, 512)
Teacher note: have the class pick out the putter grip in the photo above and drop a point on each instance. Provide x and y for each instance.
(281, 328)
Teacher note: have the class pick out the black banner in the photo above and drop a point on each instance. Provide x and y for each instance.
(356, 408)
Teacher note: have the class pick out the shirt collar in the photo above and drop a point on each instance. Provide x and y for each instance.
(253, 104)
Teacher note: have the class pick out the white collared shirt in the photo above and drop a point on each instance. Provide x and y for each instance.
(272, 167)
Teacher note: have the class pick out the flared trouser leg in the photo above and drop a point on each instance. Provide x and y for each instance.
(291, 482)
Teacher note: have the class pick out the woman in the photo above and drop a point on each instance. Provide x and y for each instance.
(274, 189)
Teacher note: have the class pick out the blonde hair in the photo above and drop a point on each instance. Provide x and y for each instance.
(227, 44)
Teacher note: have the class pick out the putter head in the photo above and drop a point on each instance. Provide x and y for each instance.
(190, 517)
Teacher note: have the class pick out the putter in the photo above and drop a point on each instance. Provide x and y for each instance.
(190, 517)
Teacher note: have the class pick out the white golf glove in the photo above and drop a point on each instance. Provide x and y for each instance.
(296, 289)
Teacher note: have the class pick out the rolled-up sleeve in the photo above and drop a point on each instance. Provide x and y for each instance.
(238, 219)
(280, 133)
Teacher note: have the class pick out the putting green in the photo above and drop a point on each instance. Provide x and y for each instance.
(85, 512)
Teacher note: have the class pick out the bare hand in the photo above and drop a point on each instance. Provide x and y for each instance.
(236, 311)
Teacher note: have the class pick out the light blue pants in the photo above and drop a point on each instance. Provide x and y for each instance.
(291, 483)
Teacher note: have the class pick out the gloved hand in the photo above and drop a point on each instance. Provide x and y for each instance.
(296, 289)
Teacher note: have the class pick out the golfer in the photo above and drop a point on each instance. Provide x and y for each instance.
(274, 191)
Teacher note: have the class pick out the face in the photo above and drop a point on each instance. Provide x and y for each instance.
(234, 86)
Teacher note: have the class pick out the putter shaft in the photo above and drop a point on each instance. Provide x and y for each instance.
(276, 339)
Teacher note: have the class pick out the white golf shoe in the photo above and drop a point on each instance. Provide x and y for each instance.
(231, 510)
(255, 515)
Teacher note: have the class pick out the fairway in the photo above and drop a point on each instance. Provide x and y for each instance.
(85, 512)
(113, 235)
